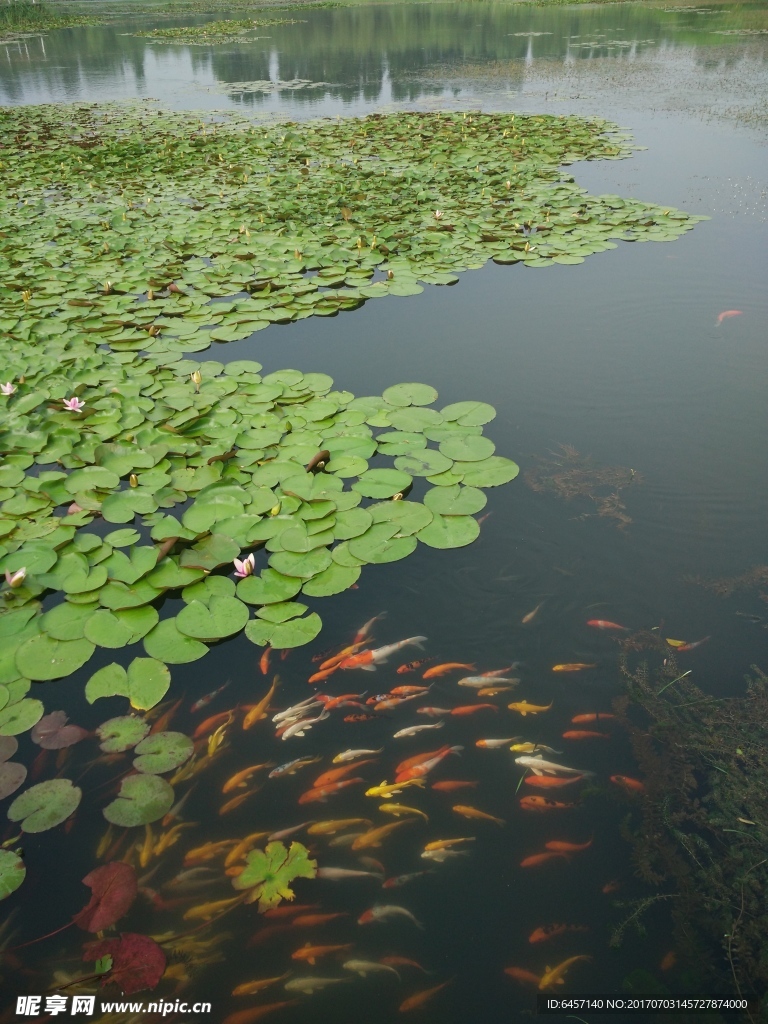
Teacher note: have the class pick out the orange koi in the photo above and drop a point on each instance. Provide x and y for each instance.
(211, 724)
(320, 677)
(472, 812)
(338, 702)
(264, 660)
(727, 314)
(524, 977)
(312, 953)
(595, 716)
(334, 774)
(418, 999)
(694, 645)
(161, 724)
(375, 836)
(412, 666)
(402, 961)
(315, 920)
(321, 793)
(470, 709)
(208, 851)
(239, 779)
(555, 975)
(605, 624)
(585, 734)
(258, 711)
(524, 708)
(451, 785)
(257, 1012)
(407, 691)
(409, 762)
(444, 669)
(284, 911)
(235, 802)
(334, 661)
(542, 804)
(245, 846)
(551, 931)
(563, 847)
(251, 988)
(610, 887)
(366, 628)
(628, 784)
(265, 934)
(551, 781)
(572, 666)
(537, 859)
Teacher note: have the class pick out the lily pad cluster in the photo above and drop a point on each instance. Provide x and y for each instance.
(227, 31)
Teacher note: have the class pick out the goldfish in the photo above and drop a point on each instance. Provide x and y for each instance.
(551, 781)
(340, 874)
(192, 878)
(236, 801)
(264, 660)
(441, 856)
(406, 691)
(572, 666)
(292, 910)
(368, 660)
(245, 846)
(494, 691)
(470, 709)
(612, 886)
(531, 615)
(493, 744)
(451, 785)
(418, 999)
(594, 716)
(537, 859)
(216, 739)
(551, 931)
(413, 730)
(530, 748)
(241, 778)
(541, 767)
(302, 725)
(523, 976)
(351, 755)
(381, 914)
(472, 812)
(208, 851)
(542, 804)
(366, 967)
(413, 666)
(481, 682)
(256, 1012)
(308, 985)
(366, 628)
(376, 836)
(329, 828)
(524, 708)
(343, 700)
(207, 911)
(444, 669)
(315, 920)
(446, 844)
(162, 723)
(334, 774)
(212, 723)
(171, 837)
(397, 810)
(585, 734)
(312, 953)
(359, 718)
(259, 711)
(402, 961)
(291, 767)
(297, 711)
(320, 677)
(555, 975)
(419, 766)
(146, 849)
(417, 759)
(398, 880)
(251, 988)
(332, 663)
(604, 624)
(694, 645)
(319, 794)
(628, 784)
(727, 314)
(565, 847)
(433, 712)
(206, 700)
(390, 703)
(386, 791)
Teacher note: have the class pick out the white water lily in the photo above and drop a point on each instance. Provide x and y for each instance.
(438, 214)
(246, 566)
(15, 579)
(8, 389)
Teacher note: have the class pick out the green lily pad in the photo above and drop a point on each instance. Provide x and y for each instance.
(139, 621)
(211, 586)
(166, 643)
(168, 575)
(408, 516)
(67, 621)
(455, 501)
(414, 420)
(123, 538)
(410, 394)
(142, 799)
(280, 635)
(401, 442)
(345, 465)
(302, 565)
(281, 612)
(210, 552)
(105, 629)
(162, 752)
(268, 873)
(424, 463)
(341, 555)
(222, 616)
(467, 448)
(490, 472)
(91, 478)
(118, 595)
(469, 414)
(20, 716)
(12, 872)
(382, 483)
(148, 682)
(45, 805)
(449, 531)
(333, 580)
(351, 523)
(381, 544)
(269, 587)
(41, 657)
(121, 733)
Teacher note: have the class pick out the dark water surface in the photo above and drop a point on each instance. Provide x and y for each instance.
(620, 357)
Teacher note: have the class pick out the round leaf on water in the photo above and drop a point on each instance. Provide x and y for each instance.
(223, 616)
(162, 752)
(302, 565)
(344, 465)
(41, 657)
(84, 582)
(53, 733)
(12, 872)
(168, 575)
(268, 587)
(468, 448)
(380, 545)
(351, 523)
(45, 805)
(297, 539)
(410, 394)
(8, 747)
(66, 621)
(469, 414)
(449, 531)
(333, 580)
(413, 419)
(142, 799)
(210, 552)
(123, 538)
(91, 478)
(341, 555)
(167, 644)
(409, 516)
(382, 483)
(455, 501)
(12, 774)
(286, 634)
(139, 621)
(148, 682)
(281, 612)
(490, 472)
(105, 629)
(424, 463)
(21, 716)
(118, 595)
(401, 442)
(211, 586)
(110, 681)
(121, 733)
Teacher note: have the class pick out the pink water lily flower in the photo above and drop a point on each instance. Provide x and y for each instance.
(246, 567)
(15, 579)
(8, 389)
(74, 404)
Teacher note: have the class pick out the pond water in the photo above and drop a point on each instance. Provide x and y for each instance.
(621, 358)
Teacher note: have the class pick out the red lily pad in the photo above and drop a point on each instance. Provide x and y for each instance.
(113, 889)
(12, 774)
(53, 733)
(138, 963)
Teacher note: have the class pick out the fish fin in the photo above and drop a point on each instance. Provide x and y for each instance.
(368, 668)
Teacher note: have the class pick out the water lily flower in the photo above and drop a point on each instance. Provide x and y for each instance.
(8, 389)
(197, 379)
(246, 567)
(438, 214)
(15, 579)
(74, 404)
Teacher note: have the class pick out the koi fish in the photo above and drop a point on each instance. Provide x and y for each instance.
(472, 812)
(162, 723)
(412, 730)
(694, 645)
(368, 660)
(424, 767)
(331, 703)
(627, 784)
(319, 794)
(359, 718)
(335, 774)
(524, 977)
(376, 836)
(605, 624)
(530, 748)
(595, 716)
(216, 739)
(241, 778)
(668, 961)
(259, 711)
(309, 985)
(366, 967)
(470, 709)
(563, 847)
(398, 880)
(727, 314)
(524, 708)
(251, 988)
(366, 628)
(585, 734)
(398, 810)
(264, 660)
(390, 703)
(572, 666)
(433, 712)
(175, 812)
(320, 677)
(542, 804)
(212, 724)
(444, 669)
(537, 859)
(381, 914)
(284, 911)
(257, 1012)
(385, 790)
(481, 682)
(291, 767)
(451, 785)
(551, 931)
(551, 781)
(330, 828)
(494, 691)
(339, 874)
(237, 801)
(204, 701)
(207, 911)
(541, 767)
(441, 856)
(493, 744)
(531, 615)
(332, 663)
(300, 728)
(315, 920)
(284, 833)
(297, 710)
(413, 666)
(418, 999)
(192, 879)
(556, 975)
(208, 851)
(446, 844)
(245, 846)
(351, 755)
(405, 691)
(610, 887)
(312, 953)
(402, 961)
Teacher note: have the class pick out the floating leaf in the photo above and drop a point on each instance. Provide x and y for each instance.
(211, 552)
(490, 472)
(223, 616)
(469, 414)
(269, 587)
(53, 733)
(105, 629)
(67, 621)
(121, 733)
(408, 516)
(455, 501)
(333, 580)
(12, 775)
(381, 544)
(295, 633)
(113, 887)
(268, 873)
(41, 657)
(148, 682)
(467, 448)
(162, 751)
(423, 463)
(281, 612)
(382, 483)
(142, 799)
(449, 531)
(20, 716)
(45, 805)
(166, 643)
(302, 565)
(138, 962)
(410, 394)
(12, 872)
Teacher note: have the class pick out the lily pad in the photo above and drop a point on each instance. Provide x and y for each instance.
(45, 805)
(222, 616)
(382, 483)
(281, 612)
(121, 733)
(302, 565)
(490, 472)
(161, 752)
(333, 580)
(166, 643)
(410, 394)
(408, 516)
(285, 634)
(455, 501)
(20, 716)
(12, 872)
(381, 544)
(426, 462)
(12, 775)
(467, 448)
(105, 629)
(268, 873)
(41, 657)
(469, 414)
(142, 799)
(269, 587)
(53, 733)
(148, 682)
(449, 531)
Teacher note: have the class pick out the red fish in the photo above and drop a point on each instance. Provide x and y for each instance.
(542, 804)
(407, 691)
(470, 709)
(402, 961)
(524, 977)
(595, 716)
(451, 785)
(412, 666)
(340, 701)
(605, 624)
(279, 913)
(320, 677)
(551, 781)
(210, 725)
(628, 784)
(419, 770)
(585, 734)
(264, 660)
(537, 859)
(561, 846)
(366, 628)
(335, 774)
(320, 794)
(444, 669)
(693, 646)
(551, 931)
(409, 762)
(727, 314)
(314, 920)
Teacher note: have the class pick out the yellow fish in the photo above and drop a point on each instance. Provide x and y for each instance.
(167, 839)
(216, 739)
(529, 748)
(472, 812)
(104, 843)
(259, 711)
(446, 844)
(206, 911)
(330, 828)
(147, 848)
(250, 988)
(244, 846)
(400, 809)
(375, 836)
(554, 975)
(386, 791)
(235, 802)
(208, 851)
(675, 643)
(240, 779)
(572, 666)
(529, 709)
